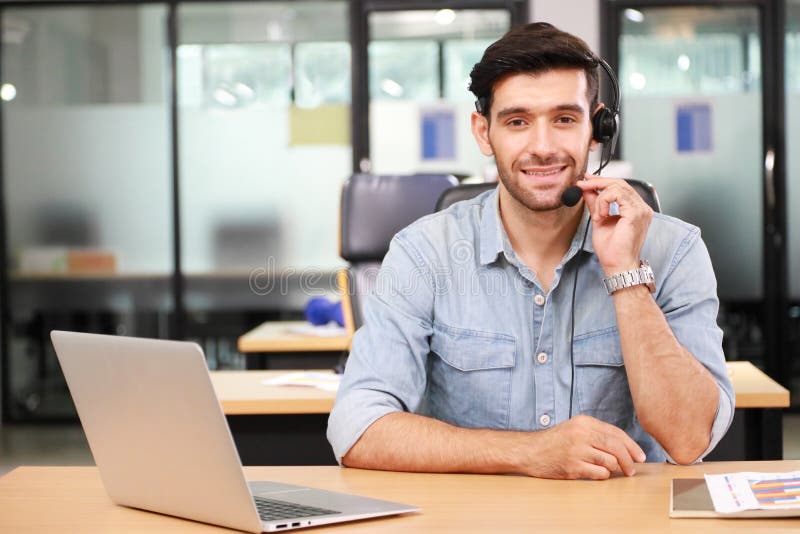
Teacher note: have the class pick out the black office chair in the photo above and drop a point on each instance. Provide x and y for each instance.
(467, 191)
(373, 210)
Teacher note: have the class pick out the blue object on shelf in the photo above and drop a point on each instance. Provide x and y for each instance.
(321, 311)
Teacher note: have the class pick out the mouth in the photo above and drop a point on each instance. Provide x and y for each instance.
(543, 172)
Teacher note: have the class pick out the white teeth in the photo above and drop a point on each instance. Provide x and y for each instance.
(548, 173)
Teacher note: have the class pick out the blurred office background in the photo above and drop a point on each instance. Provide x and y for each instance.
(172, 169)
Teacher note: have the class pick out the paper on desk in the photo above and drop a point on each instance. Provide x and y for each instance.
(324, 381)
(735, 492)
(329, 330)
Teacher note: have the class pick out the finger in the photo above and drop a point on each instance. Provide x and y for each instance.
(613, 446)
(593, 471)
(622, 188)
(596, 182)
(625, 195)
(603, 458)
(632, 447)
(605, 198)
(635, 450)
(590, 197)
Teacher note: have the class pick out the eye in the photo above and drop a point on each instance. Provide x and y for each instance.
(566, 119)
(516, 123)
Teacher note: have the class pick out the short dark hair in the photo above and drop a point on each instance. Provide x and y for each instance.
(533, 48)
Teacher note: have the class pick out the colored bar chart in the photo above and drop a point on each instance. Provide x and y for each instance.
(776, 492)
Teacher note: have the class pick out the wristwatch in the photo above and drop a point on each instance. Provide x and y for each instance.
(634, 277)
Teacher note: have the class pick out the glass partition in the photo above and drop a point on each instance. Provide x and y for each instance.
(264, 147)
(691, 125)
(264, 94)
(419, 65)
(87, 183)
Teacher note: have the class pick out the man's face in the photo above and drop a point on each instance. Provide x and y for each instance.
(540, 135)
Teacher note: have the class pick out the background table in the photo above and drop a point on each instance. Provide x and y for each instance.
(275, 425)
(757, 429)
(71, 499)
(284, 344)
(281, 425)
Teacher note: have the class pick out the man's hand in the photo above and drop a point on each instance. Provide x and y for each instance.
(617, 239)
(583, 447)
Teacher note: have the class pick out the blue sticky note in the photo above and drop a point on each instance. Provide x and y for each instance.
(693, 127)
(438, 134)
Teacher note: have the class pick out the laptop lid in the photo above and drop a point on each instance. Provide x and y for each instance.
(155, 427)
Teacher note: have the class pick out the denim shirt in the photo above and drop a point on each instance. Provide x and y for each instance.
(459, 329)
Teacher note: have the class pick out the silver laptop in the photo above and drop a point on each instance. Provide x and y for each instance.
(161, 442)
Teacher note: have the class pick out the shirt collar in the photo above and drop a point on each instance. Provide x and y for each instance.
(493, 233)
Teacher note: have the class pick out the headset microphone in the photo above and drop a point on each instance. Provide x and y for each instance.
(571, 196)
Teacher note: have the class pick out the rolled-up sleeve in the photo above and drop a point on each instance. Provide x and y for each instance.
(385, 371)
(688, 297)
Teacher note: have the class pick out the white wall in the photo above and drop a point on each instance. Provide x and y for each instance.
(579, 17)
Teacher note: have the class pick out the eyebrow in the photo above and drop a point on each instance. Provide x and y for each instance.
(516, 110)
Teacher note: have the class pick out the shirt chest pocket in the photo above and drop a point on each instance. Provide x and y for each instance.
(601, 381)
(469, 379)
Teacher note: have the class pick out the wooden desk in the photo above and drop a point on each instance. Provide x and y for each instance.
(275, 425)
(71, 499)
(286, 425)
(282, 344)
(278, 336)
(243, 393)
(754, 389)
(757, 429)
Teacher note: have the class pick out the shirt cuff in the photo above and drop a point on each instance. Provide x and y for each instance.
(352, 415)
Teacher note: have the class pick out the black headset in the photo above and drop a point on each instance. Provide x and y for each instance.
(605, 121)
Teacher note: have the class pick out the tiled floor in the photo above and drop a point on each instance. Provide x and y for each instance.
(66, 444)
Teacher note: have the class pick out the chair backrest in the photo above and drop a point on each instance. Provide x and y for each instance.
(648, 192)
(467, 191)
(374, 208)
(462, 192)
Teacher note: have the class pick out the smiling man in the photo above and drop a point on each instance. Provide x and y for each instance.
(491, 344)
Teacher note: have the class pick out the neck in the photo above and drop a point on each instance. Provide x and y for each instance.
(539, 238)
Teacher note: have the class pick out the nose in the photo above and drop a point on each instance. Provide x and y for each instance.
(541, 141)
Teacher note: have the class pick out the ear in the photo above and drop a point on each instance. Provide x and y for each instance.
(480, 129)
(594, 145)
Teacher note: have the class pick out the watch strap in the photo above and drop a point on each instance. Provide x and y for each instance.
(642, 275)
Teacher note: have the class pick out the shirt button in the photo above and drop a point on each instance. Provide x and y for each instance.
(541, 357)
(544, 420)
(538, 300)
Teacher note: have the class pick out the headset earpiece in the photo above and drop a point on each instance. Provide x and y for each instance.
(604, 125)
(605, 121)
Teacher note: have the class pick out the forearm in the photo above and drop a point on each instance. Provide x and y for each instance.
(402, 441)
(674, 395)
